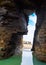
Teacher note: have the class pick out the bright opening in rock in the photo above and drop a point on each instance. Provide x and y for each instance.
(31, 28)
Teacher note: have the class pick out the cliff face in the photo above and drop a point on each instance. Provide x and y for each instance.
(40, 36)
(11, 18)
(9, 43)
(12, 26)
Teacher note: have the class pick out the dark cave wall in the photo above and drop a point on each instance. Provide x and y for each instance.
(13, 26)
(10, 44)
(18, 44)
(39, 44)
(40, 18)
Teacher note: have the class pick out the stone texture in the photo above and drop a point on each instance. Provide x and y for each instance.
(9, 43)
(13, 26)
(5, 48)
(40, 40)
(40, 47)
(18, 40)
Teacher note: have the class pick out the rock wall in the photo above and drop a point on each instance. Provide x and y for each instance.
(10, 44)
(13, 26)
(40, 36)
(5, 48)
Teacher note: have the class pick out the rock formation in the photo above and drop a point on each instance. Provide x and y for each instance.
(13, 25)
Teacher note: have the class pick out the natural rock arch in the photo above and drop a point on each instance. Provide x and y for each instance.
(19, 6)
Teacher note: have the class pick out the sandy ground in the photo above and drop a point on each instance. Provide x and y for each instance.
(27, 46)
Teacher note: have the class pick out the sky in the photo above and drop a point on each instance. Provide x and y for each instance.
(31, 28)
